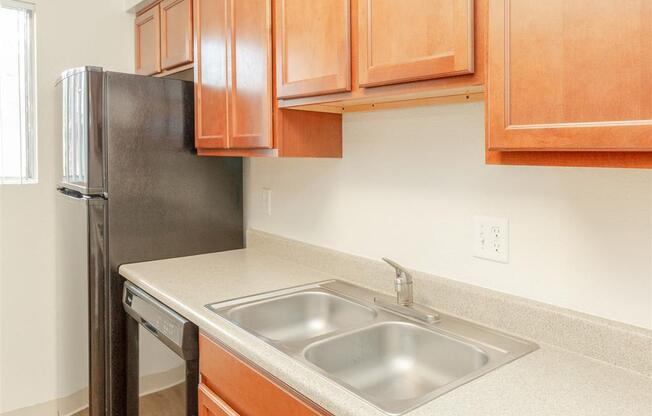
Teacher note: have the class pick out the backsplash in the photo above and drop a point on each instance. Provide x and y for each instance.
(412, 180)
(622, 345)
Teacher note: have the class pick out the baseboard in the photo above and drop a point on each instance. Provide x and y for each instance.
(41, 409)
(161, 381)
(73, 403)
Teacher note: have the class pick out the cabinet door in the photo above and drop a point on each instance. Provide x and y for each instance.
(570, 75)
(411, 40)
(211, 405)
(246, 390)
(176, 33)
(250, 86)
(148, 42)
(211, 50)
(313, 47)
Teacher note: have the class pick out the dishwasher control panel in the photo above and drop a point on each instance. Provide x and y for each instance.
(175, 331)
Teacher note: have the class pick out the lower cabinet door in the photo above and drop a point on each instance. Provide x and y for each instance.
(211, 405)
(243, 389)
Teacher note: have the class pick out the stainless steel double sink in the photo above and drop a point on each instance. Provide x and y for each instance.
(391, 360)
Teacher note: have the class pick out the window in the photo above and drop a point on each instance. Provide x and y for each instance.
(17, 95)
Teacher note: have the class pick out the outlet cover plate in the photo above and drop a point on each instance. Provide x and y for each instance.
(491, 238)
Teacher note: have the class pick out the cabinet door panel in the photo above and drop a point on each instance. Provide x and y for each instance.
(148, 41)
(243, 388)
(211, 405)
(176, 33)
(211, 50)
(570, 75)
(411, 40)
(250, 87)
(313, 47)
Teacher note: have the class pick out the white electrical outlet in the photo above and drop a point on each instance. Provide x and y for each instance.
(267, 201)
(491, 238)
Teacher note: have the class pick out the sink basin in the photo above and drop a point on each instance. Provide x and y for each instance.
(300, 316)
(395, 364)
(390, 359)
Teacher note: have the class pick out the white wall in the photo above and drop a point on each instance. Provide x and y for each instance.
(411, 181)
(134, 5)
(69, 33)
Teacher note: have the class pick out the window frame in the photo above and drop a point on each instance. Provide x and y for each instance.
(29, 146)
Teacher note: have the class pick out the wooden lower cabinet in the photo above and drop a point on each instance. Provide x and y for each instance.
(211, 405)
(231, 387)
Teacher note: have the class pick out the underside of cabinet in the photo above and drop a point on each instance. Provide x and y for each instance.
(572, 159)
(296, 134)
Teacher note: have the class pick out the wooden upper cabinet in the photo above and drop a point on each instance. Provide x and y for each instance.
(403, 41)
(250, 84)
(313, 47)
(148, 41)
(211, 73)
(236, 110)
(402, 51)
(233, 70)
(176, 33)
(570, 75)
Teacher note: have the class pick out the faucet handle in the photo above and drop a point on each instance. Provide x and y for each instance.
(400, 270)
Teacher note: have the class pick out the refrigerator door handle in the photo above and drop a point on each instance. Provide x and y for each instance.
(76, 195)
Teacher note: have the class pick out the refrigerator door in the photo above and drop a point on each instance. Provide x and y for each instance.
(81, 278)
(129, 158)
(163, 200)
(81, 91)
(98, 274)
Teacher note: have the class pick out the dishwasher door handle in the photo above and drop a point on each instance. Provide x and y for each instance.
(149, 327)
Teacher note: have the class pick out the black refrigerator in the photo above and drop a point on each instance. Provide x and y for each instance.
(133, 189)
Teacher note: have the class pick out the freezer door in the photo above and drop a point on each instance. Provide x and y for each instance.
(81, 92)
(81, 278)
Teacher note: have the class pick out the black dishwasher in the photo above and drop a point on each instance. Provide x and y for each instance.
(173, 330)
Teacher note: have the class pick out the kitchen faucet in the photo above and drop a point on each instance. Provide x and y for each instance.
(403, 283)
(403, 303)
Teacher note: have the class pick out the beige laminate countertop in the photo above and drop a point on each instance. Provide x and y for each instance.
(549, 381)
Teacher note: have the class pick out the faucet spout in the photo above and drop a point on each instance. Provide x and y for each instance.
(403, 303)
(402, 283)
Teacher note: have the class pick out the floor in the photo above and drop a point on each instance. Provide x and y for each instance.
(168, 402)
